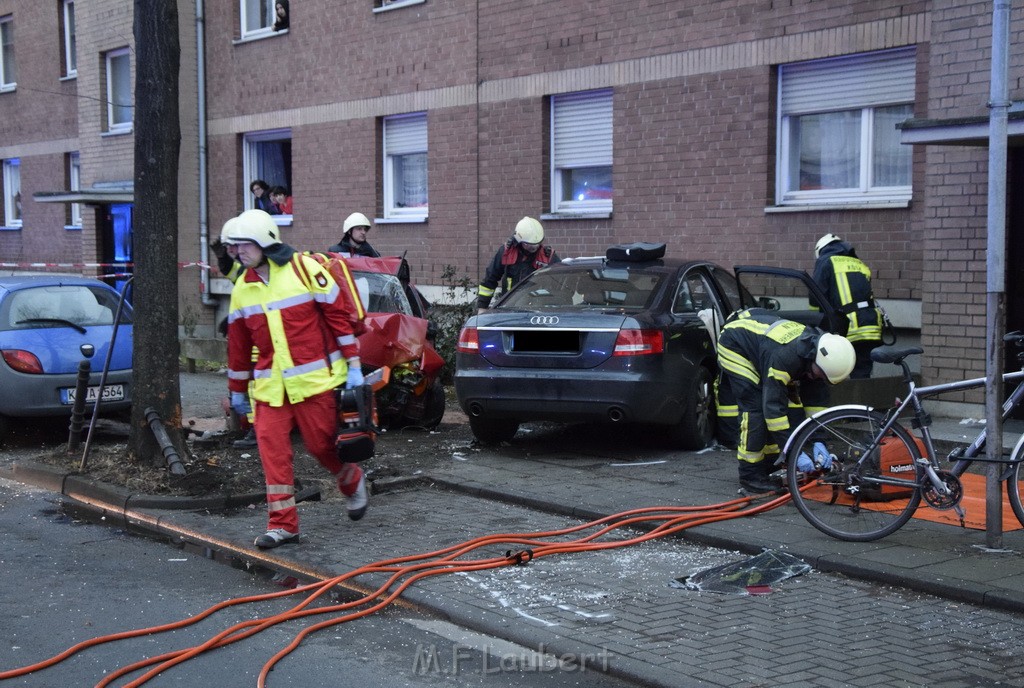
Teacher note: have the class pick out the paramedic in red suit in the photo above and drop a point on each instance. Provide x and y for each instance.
(304, 326)
(523, 253)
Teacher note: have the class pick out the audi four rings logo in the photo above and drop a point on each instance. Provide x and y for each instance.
(544, 320)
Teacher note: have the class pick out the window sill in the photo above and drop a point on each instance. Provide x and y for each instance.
(8, 88)
(400, 220)
(397, 4)
(269, 33)
(579, 215)
(886, 205)
(117, 132)
(70, 77)
(282, 220)
(12, 228)
(73, 228)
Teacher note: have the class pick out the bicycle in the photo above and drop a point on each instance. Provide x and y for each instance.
(861, 488)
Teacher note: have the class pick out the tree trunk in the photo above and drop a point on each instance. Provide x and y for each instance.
(155, 382)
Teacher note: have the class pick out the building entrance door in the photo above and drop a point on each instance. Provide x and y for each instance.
(117, 243)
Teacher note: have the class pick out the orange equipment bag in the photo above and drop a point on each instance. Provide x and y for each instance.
(357, 424)
(894, 462)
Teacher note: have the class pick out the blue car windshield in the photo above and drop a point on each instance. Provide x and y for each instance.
(60, 305)
(599, 288)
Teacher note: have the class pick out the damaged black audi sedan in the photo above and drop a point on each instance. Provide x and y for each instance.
(600, 340)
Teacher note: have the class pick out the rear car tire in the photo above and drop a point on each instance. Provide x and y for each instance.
(696, 428)
(492, 430)
(433, 405)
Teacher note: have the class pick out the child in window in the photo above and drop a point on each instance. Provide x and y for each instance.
(279, 196)
(281, 15)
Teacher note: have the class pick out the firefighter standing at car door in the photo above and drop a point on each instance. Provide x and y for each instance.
(523, 253)
(288, 307)
(761, 356)
(846, 281)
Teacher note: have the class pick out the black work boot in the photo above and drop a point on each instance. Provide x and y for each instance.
(754, 477)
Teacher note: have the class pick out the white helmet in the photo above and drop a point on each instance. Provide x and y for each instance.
(355, 220)
(224, 231)
(823, 242)
(253, 225)
(529, 231)
(835, 357)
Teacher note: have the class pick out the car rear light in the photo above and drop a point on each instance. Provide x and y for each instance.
(639, 342)
(22, 361)
(469, 341)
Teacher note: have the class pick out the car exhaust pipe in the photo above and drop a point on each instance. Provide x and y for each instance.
(616, 414)
(476, 409)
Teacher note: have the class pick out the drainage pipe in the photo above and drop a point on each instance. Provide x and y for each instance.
(174, 464)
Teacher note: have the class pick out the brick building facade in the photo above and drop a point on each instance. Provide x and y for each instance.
(695, 134)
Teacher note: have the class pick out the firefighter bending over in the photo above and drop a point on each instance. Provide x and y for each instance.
(761, 356)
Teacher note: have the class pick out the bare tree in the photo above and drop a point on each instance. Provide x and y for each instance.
(155, 381)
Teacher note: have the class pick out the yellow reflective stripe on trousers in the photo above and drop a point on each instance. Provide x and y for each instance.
(777, 424)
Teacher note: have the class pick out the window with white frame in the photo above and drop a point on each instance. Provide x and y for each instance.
(67, 30)
(257, 17)
(267, 157)
(119, 90)
(581, 152)
(838, 142)
(75, 184)
(12, 192)
(8, 67)
(405, 167)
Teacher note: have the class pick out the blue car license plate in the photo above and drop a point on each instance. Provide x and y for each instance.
(110, 393)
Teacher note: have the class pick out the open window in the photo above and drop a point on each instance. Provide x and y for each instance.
(12, 193)
(74, 171)
(257, 18)
(581, 152)
(69, 64)
(405, 167)
(8, 69)
(118, 91)
(838, 142)
(267, 157)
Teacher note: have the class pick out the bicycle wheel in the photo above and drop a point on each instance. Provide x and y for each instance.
(837, 501)
(1013, 482)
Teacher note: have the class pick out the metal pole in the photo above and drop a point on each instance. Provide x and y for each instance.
(999, 105)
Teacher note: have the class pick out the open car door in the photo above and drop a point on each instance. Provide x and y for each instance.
(791, 294)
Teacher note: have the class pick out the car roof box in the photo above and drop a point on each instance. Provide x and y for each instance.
(636, 252)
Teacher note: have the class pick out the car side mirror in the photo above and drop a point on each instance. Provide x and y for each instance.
(768, 303)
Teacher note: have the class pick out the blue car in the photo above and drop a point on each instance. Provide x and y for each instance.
(48, 324)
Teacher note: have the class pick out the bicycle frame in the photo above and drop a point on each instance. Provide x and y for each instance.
(973, 452)
(921, 421)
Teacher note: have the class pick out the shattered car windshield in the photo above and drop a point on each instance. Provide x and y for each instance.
(586, 288)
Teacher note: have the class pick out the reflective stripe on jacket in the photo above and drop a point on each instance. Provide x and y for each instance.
(770, 352)
(846, 281)
(300, 327)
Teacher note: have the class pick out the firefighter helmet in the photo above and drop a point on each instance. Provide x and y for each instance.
(355, 220)
(253, 225)
(529, 231)
(835, 357)
(823, 242)
(224, 231)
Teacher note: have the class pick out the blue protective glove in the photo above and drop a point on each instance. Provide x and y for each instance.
(804, 464)
(822, 456)
(355, 374)
(822, 460)
(240, 403)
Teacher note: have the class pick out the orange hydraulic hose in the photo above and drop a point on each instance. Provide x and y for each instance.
(412, 568)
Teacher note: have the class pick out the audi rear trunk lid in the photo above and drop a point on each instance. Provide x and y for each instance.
(513, 339)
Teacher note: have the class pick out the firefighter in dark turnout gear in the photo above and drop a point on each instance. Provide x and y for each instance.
(761, 357)
(846, 281)
(523, 253)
